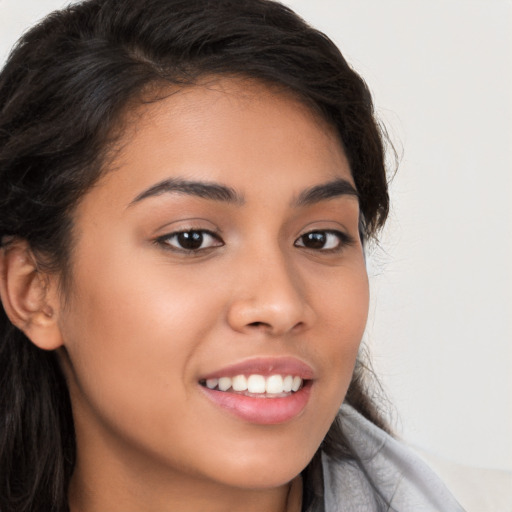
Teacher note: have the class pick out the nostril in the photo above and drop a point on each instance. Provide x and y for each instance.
(258, 324)
(270, 328)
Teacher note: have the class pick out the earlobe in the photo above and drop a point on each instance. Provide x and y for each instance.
(29, 297)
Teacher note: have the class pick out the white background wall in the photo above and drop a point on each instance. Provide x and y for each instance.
(441, 321)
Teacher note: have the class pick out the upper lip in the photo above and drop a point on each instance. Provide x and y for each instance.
(265, 366)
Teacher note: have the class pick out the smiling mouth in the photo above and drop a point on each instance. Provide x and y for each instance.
(257, 386)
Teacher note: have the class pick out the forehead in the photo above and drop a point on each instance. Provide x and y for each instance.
(235, 131)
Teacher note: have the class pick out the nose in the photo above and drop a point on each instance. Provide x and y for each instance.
(270, 297)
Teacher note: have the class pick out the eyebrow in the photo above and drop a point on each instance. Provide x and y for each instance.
(325, 191)
(218, 192)
(203, 189)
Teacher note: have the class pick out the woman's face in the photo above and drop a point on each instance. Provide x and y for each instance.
(221, 247)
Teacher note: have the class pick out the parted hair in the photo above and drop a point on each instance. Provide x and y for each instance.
(63, 92)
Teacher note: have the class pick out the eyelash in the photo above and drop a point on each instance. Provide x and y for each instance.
(344, 240)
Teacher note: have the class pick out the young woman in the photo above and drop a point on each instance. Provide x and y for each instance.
(186, 188)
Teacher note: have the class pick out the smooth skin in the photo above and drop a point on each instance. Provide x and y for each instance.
(144, 318)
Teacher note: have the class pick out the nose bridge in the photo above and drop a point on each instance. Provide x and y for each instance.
(277, 283)
(270, 294)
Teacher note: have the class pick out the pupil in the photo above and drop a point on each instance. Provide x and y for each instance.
(314, 240)
(190, 240)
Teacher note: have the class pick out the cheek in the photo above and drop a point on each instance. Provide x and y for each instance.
(130, 338)
(342, 309)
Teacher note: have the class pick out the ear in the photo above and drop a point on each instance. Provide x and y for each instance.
(30, 297)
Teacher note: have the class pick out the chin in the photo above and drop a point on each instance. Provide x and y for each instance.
(265, 478)
(274, 470)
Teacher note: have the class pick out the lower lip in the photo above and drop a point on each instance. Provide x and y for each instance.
(263, 411)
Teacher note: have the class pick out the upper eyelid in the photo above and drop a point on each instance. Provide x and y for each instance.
(218, 234)
(340, 232)
(345, 238)
(188, 229)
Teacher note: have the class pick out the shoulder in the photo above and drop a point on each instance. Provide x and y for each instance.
(384, 474)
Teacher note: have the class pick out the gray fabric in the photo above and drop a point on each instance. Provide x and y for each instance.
(403, 481)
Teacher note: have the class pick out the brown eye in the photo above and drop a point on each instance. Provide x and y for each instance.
(315, 240)
(192, 240)
(323, 240)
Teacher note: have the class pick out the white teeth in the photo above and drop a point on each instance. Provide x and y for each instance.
(212, 383)
(274, 384)
(297, 382)
(287, 383)
(256, 384)
(239, 383)
(224, 383)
